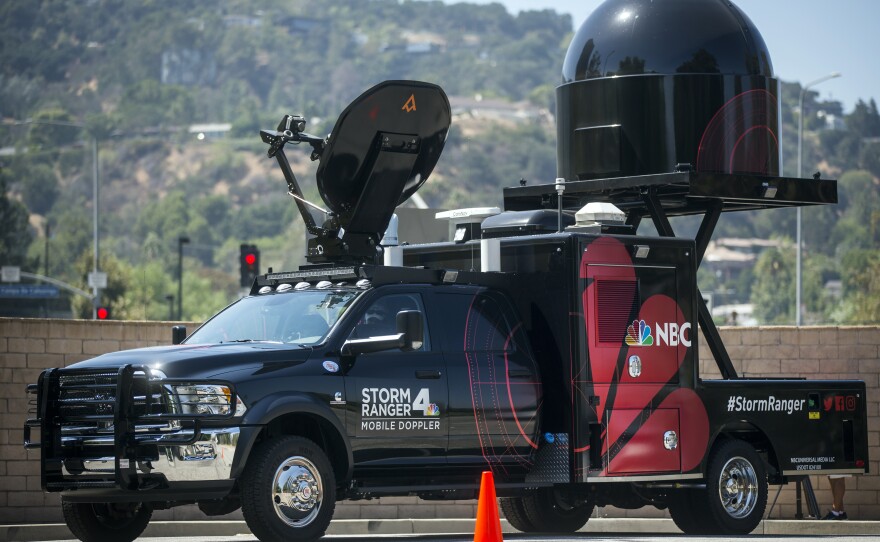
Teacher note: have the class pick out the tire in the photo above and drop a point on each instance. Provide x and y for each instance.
(515, 513)
(106, 522)
(736, 489)
(690, 512)
(273, 507)
(551, 511)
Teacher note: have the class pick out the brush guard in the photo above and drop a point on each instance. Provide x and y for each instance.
(94, 416)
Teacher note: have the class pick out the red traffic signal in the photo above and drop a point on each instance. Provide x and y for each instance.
(103, 313)
(249, 265)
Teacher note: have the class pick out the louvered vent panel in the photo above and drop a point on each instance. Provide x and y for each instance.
(615, 299)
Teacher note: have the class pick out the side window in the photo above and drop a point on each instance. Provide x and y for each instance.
(488, 327)
(380, 318)
(476, 323)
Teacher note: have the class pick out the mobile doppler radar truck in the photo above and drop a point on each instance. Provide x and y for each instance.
(550, 343)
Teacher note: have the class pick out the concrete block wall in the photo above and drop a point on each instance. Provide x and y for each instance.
(29, 345)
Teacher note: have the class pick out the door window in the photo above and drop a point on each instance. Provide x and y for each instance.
(380, 318)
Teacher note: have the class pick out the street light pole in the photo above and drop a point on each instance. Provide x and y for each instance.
(800, 172)
(182, 240)
(96, 300)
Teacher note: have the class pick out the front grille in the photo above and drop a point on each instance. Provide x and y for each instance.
(93, 410)
(92, 397)
(97, 425)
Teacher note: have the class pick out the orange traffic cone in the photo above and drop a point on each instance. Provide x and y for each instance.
(488, 528)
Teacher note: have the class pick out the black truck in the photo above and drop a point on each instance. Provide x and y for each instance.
(551, 343)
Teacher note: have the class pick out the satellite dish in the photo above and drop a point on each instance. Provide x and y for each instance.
(381, 151)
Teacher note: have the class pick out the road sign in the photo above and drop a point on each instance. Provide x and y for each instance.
(31, 291)
(10, 273)
(98, 279)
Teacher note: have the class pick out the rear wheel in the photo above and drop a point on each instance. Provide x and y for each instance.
(288, 491)
(515, 513)
(553, 511)
(736, 488)
(106, 522)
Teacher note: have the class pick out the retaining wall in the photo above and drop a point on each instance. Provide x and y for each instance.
(29, 345)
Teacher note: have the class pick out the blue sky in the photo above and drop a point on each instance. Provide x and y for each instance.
(807, 39)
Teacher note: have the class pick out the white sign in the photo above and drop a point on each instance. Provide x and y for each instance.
(98, 279)
(10, 273)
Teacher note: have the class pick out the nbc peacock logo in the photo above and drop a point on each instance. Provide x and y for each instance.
(639, 334)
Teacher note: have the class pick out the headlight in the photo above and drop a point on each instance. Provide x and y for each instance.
(208, 399)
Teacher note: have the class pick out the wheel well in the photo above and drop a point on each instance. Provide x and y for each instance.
(758, 439)
(316, 429)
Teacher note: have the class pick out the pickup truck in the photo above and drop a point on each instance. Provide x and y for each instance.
(553, 344)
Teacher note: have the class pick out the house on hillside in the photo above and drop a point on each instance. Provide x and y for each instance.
(493, 109)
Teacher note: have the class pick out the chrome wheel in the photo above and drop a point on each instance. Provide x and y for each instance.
(297, 491)
(738, 487)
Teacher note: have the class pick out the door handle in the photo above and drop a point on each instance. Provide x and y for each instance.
(519, 373)
(428, 374)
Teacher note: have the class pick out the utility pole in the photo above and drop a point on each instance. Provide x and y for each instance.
(182, 240)
(799, 263)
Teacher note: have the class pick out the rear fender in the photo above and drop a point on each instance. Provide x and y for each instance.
(752, 434)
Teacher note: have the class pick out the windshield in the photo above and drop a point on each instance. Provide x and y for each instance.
(297, 317)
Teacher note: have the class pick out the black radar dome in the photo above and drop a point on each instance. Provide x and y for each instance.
(649, 85)
(634, 37)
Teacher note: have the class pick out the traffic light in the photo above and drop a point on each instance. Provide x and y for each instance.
(249, 264)
(103, 313)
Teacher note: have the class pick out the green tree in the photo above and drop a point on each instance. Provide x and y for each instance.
(869, 157)
(859, 223)
(146, 299)
(773, 291)
(202, 298)
(43, 134)
(71, 241)
(864, 121)
(150, 103)
(15, 235)
(39, 187)
(167, 219)
(115, 296)
(860, 274)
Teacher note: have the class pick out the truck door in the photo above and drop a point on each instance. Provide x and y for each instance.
(637, 339)
(494, 405)
(399, 398)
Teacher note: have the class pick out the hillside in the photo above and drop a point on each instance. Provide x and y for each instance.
(138, 79)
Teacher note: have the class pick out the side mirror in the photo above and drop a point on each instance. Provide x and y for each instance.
(410, 336)
(411, 325)
(178, 334)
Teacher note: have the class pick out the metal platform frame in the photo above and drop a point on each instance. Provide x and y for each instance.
(683, 193)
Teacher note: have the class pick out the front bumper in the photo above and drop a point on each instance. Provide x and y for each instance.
(208, 458)
(121, 431)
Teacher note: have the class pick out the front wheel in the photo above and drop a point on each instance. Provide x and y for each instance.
(106, 522)
(736, 488)
(553, 511)
(288, 491)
